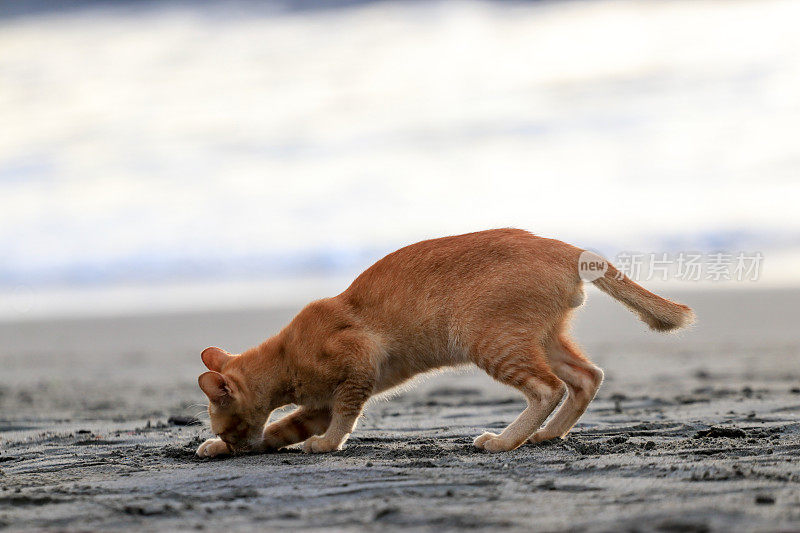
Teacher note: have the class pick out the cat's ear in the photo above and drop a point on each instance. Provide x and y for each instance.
(215, 358)
(215, 386)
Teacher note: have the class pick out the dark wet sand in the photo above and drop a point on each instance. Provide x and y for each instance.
(690, 432)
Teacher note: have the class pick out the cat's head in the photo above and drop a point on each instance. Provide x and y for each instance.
(236, 417)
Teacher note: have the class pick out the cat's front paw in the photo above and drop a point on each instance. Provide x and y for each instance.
(492, 442)
(213, 448)
(319, 444)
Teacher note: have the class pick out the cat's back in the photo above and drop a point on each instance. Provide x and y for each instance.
(439, 267)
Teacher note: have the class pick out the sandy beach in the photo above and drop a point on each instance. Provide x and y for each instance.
(691, 432)
(178, 174)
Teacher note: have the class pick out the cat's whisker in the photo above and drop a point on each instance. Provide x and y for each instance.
(201, 415)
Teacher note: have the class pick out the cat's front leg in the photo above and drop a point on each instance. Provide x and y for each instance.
(295, 427)
(324, 444)
(332, 440)
(213, 448)
(349, 400)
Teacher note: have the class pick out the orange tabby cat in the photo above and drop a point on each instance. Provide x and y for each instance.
(500, 299)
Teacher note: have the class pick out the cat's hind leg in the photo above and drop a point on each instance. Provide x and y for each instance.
(583, 379)
(526, 370)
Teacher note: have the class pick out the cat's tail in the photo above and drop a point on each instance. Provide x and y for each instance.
(657, 312)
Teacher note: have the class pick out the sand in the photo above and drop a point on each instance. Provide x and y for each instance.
(690, 432)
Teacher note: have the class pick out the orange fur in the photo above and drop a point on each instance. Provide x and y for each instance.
(500, 299)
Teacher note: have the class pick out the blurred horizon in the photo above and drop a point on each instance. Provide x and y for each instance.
(178, 154)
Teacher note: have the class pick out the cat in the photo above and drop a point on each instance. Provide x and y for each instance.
(500, 299)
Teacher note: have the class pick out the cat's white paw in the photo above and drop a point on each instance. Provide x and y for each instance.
(213, 448)
(493, 443)
(319, 444)
(481, 439)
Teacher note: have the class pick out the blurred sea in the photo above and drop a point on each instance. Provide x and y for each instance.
(160, 155)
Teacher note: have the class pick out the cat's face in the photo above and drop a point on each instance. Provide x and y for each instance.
(234, 416)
